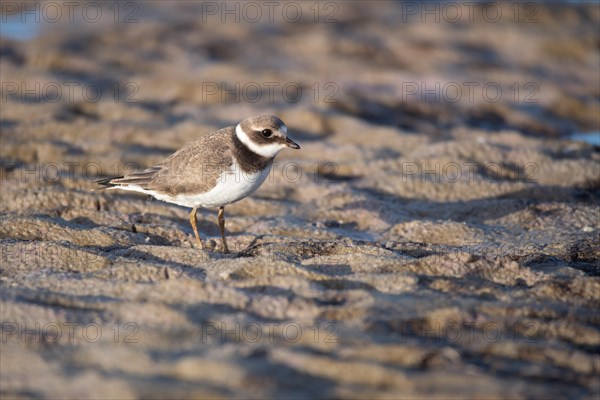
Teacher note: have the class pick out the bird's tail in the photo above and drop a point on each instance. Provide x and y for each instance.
(107, 183)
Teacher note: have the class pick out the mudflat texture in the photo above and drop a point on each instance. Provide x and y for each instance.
(433, 238)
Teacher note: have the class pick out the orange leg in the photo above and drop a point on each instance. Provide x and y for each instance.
(193, 222)
(221, 218)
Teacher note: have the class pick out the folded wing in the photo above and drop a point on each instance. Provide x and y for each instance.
(195, 168)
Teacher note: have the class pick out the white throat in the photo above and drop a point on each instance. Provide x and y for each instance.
(268, 150)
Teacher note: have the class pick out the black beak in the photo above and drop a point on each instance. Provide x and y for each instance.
(290, 143)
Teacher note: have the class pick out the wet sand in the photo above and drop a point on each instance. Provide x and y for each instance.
(432, 238)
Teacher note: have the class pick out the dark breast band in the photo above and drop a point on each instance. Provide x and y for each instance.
(249, 161)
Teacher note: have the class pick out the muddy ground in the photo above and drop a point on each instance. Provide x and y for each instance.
(437, 235)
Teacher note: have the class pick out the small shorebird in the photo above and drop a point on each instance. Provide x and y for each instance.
(215, 170)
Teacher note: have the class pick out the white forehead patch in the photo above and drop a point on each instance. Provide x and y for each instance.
(266, 150)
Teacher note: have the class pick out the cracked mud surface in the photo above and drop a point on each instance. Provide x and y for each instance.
(410, 249)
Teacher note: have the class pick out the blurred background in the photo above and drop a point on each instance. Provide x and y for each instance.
(423, 67)
(448, 184)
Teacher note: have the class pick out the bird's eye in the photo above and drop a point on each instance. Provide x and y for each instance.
(267, 133)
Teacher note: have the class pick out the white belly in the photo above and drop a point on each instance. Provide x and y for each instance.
(232, 186)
